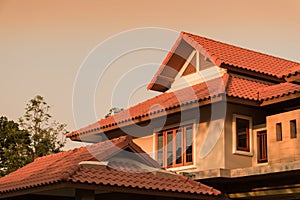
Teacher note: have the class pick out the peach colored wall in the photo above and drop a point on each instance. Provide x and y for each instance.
(146, 143)
(258, 117)
(213, 160)
(288, 149)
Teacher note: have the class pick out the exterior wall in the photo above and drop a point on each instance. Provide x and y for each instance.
(146, 143)
(236, 160)
(205, 156)
(288, 149)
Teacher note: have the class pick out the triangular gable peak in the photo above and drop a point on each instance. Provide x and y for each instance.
(216, 55)
(184, 66)
(196, 69)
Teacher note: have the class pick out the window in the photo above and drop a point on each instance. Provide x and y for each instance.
(293, 129)
(262, 150)
(175, 147)
(278, 132)
(242, 135)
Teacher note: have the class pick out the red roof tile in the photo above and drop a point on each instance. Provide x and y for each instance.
(65, 167)
(244, 88)
(278, 90)
(234, 86)
(146, 179)
(160, 103)
(222, 53)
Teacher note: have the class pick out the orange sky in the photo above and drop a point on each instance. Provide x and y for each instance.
(43, 43)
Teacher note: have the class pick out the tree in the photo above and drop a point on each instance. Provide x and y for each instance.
(112, 111)
(14, 146)
(44, 133)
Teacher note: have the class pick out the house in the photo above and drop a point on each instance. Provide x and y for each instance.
(226, 116)
(112, 169)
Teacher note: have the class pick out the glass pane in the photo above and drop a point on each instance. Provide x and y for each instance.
(169, 148)
(262, 150)
(178, 147)
(160, 149)
(242, 134)
(293, 129)
(278, 132)
(189, 146)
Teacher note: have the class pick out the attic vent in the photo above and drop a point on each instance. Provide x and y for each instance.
(94, 164)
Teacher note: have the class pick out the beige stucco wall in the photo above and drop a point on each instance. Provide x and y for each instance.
(204, 158)
(258, 118)
(288, 149)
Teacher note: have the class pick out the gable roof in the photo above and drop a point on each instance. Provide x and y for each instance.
(223, 55)
(65, 167)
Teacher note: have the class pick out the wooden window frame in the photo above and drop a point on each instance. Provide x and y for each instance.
(293, 129)
(183, 146)
(248, 151)
(278, 131)
(239, 148)
(262, 140)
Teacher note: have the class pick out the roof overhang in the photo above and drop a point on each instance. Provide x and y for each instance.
(68, 189)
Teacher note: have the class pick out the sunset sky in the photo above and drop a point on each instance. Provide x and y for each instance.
(43, 44)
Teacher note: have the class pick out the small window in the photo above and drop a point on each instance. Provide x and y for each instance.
(262, 149)
(175, 147)
(293, 129)
(278, 132)
(242, 134)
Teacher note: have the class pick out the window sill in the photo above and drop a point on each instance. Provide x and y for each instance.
(262, 164)
(181, 168)
(243, 153)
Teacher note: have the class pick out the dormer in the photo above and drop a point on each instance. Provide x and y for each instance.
(194, 59)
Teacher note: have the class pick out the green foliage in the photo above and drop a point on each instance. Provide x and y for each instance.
(36, 135)
(14, 146)
(46, 136)
(112, 111)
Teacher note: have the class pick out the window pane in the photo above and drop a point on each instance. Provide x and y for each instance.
(189, 146)
(262, 154)
(278, 132)
(178, 147)
(242, 134)
(160, 149)
(169, 148)
(293, 129)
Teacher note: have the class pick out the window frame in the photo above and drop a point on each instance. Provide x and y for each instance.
(249, 150)
(262, 134)
(174, 130)
(278, 129)
(293, 128)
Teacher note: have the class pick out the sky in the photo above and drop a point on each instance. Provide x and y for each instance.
(45, 45)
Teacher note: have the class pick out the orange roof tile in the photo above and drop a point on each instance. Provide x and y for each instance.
(146, 179)
(242, 58)
(222, 53)
(64, 167)
(278, 90)
(234, 86)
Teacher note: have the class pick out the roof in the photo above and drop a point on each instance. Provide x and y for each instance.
(232, 86)
(278, 90)
(223, 54)
(236, 86)
(67, 167)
